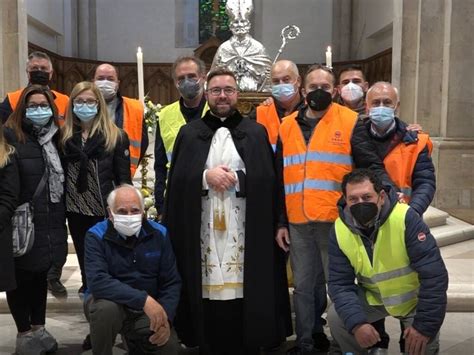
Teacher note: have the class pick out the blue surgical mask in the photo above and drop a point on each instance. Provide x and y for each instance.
(283, 92)
(84, 112)
(39, 115)
(382, 117)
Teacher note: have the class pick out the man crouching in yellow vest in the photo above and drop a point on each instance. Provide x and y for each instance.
(387, 248)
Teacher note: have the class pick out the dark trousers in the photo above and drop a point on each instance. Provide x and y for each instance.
(27, 302)
(224, 328)
(79, 224)
(107, 319)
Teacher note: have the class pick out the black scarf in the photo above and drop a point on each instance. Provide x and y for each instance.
(94, 147)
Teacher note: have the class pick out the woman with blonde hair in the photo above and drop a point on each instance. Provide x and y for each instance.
(9, 190)
(33, 131)
(95, 159)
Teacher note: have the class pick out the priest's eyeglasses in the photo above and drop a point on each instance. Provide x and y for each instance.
(228, 91)
(89, 103)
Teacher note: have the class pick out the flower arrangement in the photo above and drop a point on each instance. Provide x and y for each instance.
(151, 114)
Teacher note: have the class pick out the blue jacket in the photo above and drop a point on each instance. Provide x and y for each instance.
(126, 271)
(425, 259)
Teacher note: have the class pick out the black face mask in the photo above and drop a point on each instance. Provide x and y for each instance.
(364, 212)
(39, 77)
(319, 99)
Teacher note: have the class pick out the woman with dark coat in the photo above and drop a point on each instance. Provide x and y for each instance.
(9, 190)
(95, 158)
(33, 131)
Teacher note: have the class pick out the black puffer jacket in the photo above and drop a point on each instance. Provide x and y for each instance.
(49, 217)
(9, 190)
(113, 168)
(423, 178)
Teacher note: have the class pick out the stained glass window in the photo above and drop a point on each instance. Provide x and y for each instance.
(213, 20)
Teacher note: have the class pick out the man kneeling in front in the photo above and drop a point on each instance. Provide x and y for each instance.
(132, 279)
(386, 247)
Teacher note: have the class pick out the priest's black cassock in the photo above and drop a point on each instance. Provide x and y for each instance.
(267, 319)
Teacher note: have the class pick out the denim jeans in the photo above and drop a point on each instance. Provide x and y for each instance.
(309, 263)
(347, 341)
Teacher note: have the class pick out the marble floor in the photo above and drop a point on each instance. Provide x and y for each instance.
(67, 323)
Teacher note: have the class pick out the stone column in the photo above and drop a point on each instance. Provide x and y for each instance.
(83, 28)
(13, 46)
(432, 65)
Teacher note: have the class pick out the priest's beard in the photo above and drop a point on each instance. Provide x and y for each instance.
(222, 108)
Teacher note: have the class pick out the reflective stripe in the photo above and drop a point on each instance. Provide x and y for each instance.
(325, 157)
(293, 159)
(327, 185)
(134, 161)
(329, 158)
(313, 184)
(406, 191)
(384, 276)
(274, 147)
(399, 299)
(168, 156)
(293, 188)
(136, 144)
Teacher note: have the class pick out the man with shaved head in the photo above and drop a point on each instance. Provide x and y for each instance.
(406, 154)
(127, 113)
(286, 98)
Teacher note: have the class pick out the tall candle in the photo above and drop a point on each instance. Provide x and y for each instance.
(329, 57)
(141, 86)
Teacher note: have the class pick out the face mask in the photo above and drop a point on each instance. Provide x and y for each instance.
(39, 77)
(107, 88)
(127, 225)
(381, 116)
(84, 112)
(283, 92)
(364, 212)
(319, 99)
(39, 116)
(351, 92)
(189, 88)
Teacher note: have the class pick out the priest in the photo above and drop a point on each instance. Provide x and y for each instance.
(220, 213)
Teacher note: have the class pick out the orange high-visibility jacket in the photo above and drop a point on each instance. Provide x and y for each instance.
(268, 117)
(313, 173)
(133, 111)
(60, 101)
(401, 160)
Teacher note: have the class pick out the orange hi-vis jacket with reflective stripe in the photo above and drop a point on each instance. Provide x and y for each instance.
(268, 117)
(400, 162)
(60, 101)
(313, 173)
(133, 111)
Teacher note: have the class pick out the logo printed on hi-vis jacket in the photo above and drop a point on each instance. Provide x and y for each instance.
(336, 139)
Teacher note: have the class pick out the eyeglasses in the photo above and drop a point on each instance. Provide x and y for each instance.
(35, 106)
(89, 103)
(228, 91)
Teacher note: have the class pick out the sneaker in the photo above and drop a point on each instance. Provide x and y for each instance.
(321, 342)
(46, 339)
(86, 344)
(378, 351)
(56, 287)
(29, 344)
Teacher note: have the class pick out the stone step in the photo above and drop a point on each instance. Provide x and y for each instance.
(434, 217)
(454, 231)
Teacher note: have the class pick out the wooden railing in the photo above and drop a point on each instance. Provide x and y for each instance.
(159, 84)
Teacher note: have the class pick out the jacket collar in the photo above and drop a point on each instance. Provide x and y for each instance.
(130, 242)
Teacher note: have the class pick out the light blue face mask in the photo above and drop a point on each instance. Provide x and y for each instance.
(84, 112)
(283, 92)
(39, 115)
(382, 117)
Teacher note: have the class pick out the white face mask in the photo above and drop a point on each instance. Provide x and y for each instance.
(127, 224)
(351, 92)
(107, 88)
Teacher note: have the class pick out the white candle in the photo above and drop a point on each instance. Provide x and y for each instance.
(329, 57)
(141, 86)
